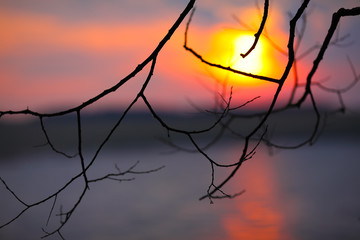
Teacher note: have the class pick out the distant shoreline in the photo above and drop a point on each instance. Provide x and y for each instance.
(140, 127)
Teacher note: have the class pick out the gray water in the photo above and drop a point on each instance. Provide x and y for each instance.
(307, 193)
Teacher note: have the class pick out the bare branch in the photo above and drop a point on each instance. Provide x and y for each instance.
(80, 148)
(48, 141)
(334, 22)
(51, 210)
(261, 28)
(224, 116)
(216, 65)
(13, 193)
(115, 176)
(114, 88)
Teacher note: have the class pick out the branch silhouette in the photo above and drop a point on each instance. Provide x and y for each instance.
(226, 115)
(261, 28)
(150, 59)
(294, 33)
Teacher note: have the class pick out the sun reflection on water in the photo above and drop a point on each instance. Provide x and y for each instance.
(257, 214)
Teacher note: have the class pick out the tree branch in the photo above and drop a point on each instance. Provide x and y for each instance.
(261, 28)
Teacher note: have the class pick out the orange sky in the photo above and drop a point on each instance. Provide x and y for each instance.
(55, 57)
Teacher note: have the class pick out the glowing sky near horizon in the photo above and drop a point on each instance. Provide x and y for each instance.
(61, 53)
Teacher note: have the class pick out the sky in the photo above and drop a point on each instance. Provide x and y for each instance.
(58, 54)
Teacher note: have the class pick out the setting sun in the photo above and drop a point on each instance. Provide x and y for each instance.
(253, 63)
(226, 47)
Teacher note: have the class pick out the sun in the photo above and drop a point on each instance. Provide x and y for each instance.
(226, 47)
(252, 63)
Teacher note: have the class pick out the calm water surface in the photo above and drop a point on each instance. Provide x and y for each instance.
(309, 193)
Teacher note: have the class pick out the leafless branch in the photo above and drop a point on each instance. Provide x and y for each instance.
(225, 114)
(217, 65)
(261, 28)
(50, 143)
(67, 215)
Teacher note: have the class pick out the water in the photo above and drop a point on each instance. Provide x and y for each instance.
(308, 193)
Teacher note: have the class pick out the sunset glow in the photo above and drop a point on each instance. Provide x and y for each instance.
(54, 55)
(226, 47)
(252, 107)
(252, 63)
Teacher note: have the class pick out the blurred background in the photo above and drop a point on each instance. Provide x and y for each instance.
(57, 54)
